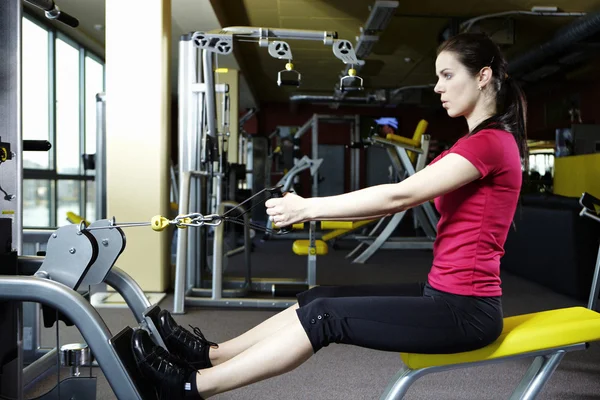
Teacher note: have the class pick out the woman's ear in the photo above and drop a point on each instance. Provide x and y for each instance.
(485, 76)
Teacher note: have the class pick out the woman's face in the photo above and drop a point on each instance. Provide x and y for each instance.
(457, 87)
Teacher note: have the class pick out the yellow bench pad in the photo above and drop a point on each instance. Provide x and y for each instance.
(523, 334)
(300, 247)
(339, 232)
(328, 225)
(346, 225)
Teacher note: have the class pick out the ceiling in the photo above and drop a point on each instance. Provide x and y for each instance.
(403, 56)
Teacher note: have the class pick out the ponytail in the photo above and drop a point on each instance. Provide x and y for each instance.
(511, 115)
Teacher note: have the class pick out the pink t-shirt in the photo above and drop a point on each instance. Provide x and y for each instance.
(476, 217)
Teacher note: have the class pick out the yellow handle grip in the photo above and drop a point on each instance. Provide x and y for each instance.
(75, 219)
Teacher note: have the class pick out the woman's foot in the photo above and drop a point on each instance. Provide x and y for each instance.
(173, 378)
(191, 347)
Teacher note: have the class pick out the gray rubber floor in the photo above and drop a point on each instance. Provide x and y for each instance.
(348, 372)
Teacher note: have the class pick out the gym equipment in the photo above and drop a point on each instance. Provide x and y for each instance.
(288, 77)
(91, 252)
(55, 285)
(402, 152)
(344, 50)
(70, 255)
(546, 336)
(351, 82)
(11, 173)
(202, 161)
(287, 182)
(231, 292)
(293, 80)
(311, 248)
(313, 125)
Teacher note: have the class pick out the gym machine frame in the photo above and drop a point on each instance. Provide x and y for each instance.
(313, 125)
(78, 257)
(201, 161)
(57, 292)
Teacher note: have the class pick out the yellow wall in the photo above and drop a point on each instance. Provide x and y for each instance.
(137, 130)
(230, 77)
(574, 175)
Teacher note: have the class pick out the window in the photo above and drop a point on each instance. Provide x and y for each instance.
(36, 91)
(67, 108)
(60, 83)
(38, 195)
(542, 163)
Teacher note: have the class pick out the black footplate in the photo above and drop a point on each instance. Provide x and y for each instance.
(152, 312)
(152, 322)
(591, 203)
(121, 342)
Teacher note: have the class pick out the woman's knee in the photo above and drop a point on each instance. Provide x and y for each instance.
(319, 292)
(321, 322)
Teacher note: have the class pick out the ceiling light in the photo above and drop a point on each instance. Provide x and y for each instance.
(544, 9)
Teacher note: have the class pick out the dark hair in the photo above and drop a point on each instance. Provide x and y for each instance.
(476, 51)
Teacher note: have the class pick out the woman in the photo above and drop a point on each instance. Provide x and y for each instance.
(475, 185)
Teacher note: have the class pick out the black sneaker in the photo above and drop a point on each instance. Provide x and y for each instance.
(168, 374)
(191, 347)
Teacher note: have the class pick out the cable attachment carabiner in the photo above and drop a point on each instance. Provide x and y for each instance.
(192, 219)
(213, 220)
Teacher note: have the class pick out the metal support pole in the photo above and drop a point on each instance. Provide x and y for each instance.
(181, 262)
(209, 80)
(311, 272)
(593, 300)
(11, 171)
(315, 152)
(304, 128)
(131, 292)
(100, 156)
(217, 270)
(278, 33)
(355, 155)
(538, 373)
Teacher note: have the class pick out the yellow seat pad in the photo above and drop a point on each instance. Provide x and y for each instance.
(342, 231)
(300, 247)
(523, 334)
(403, 140)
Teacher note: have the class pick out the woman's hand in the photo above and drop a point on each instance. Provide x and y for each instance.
(287, 210)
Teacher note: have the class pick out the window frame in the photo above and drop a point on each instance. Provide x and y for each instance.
(51, 173)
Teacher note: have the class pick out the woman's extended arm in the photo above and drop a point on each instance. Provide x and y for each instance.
(446, 175)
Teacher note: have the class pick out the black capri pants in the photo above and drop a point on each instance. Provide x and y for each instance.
(412, 318)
